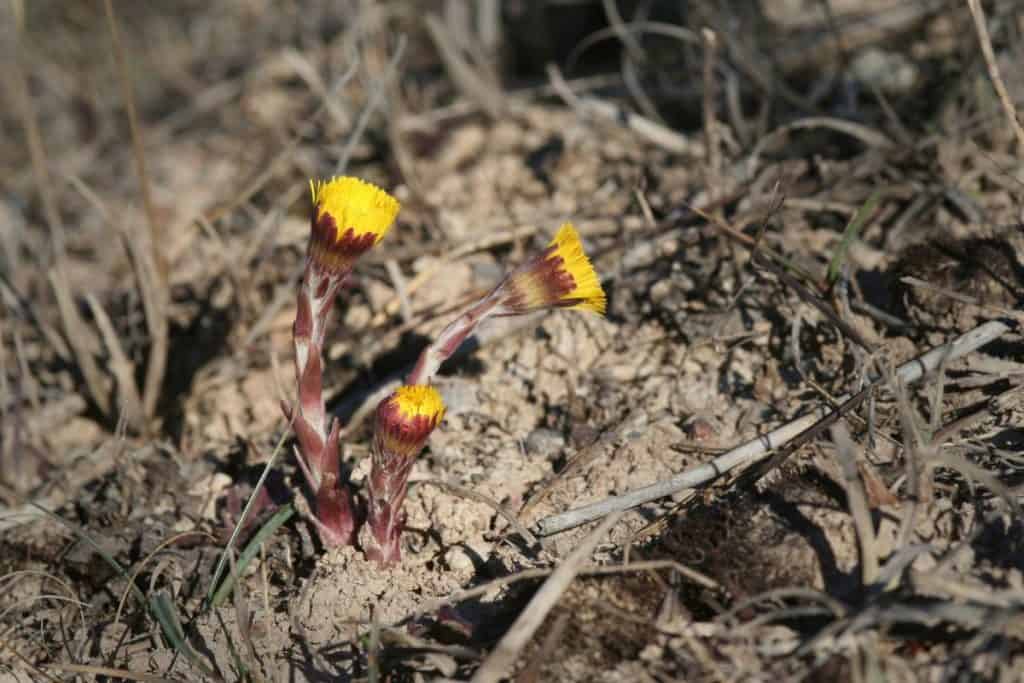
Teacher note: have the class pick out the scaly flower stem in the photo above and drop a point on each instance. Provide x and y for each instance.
(452, 337)
(317, 437)
(385, 493)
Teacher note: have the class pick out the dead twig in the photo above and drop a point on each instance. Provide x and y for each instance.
(652, 132)
(993, 69)
(757, 449)
(500, 661)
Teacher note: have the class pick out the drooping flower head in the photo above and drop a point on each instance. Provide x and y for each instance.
(406, 418)
(349, 217)
(561, 276)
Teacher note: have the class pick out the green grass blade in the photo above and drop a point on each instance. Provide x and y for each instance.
(279, 518)
(241, 520)
(165, 613)
(851, 232)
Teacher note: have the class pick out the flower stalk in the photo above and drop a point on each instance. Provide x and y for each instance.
(560, 276)
(349, 217)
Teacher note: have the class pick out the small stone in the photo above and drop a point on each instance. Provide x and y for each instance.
(544, 441)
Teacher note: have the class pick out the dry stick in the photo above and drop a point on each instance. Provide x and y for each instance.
(499, 662)
(533, 669)
(591, 107)
(711, 136)
(993, 69)
(152, 275)
(814, 300)
(758, 448)
(110, 671)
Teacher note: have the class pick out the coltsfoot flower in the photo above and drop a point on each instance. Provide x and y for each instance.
(561, 276)
(404, 421)
(349, 217)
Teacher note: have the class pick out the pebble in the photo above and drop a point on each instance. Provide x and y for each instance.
(544, 441)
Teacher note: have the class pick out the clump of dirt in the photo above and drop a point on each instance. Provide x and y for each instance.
(957, 282)
(749, 543)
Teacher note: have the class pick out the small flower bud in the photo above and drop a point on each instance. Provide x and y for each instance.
(404, 422)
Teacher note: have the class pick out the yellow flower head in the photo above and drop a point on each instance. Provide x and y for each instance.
(406, 418)
(349, 217)
(419, 400)
(560, 276)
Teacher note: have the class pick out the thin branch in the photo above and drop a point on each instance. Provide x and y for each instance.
(759, 448)
(993, 69)
(500, 661)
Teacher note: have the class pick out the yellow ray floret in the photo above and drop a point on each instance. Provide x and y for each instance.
(419, 400)
(355, 204)
(587, 286)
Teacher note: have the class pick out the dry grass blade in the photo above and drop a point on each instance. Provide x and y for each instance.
(374, 101)
(142, 564)
(152, 282)
(122, 368)
(154, 304)
(79, 337)
(846, 451)
(993, 69)
(56, 495)
(23, 309)
(500, 662)
(869, 136)
(711, 133)
(652, 132)
(485, 94)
